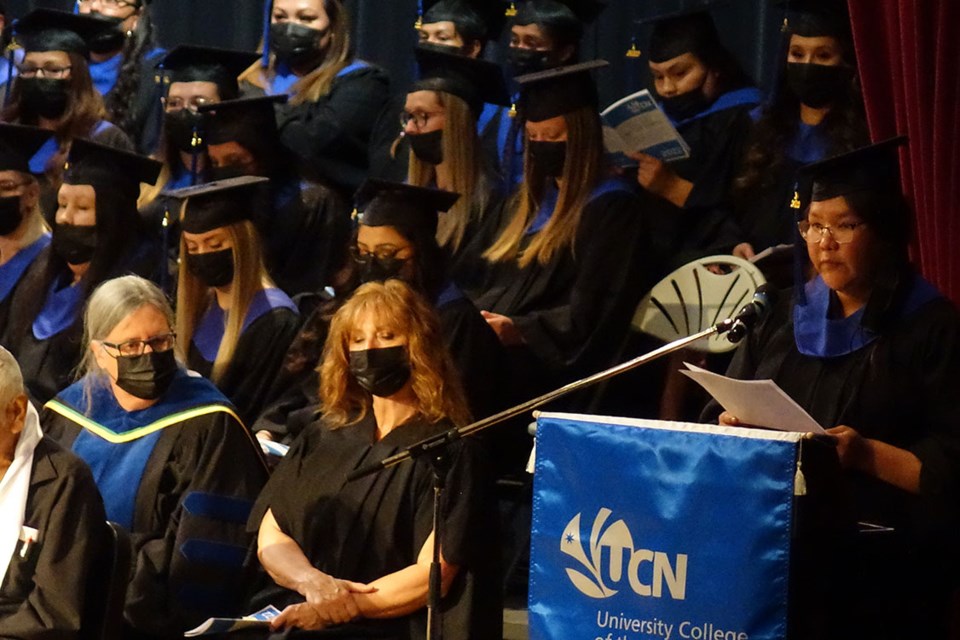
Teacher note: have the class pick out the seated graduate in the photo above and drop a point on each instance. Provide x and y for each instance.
(815, 112)
(23, 234)
(708, 97)
(334, 98)
(872, 351)
(306, 228)
(456, 27)
(396, 238)
(440, 124)
(173, 462)
(53, 90)
(122, 57)
(97, 235)
(356, 555)
(232, 321)
(52, 524)
(562, 269)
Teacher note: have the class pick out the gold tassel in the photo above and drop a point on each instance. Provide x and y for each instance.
(511, 10)
(633, 51)
(795, 203)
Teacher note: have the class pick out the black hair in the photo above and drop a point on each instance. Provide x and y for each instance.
(121, 101)
(556, 19)
(697, 34)
(470, 26)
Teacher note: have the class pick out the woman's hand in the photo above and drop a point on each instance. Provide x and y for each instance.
(503, 326)
(298, 616)
(727, 419)
(659, 179)
(744, 250)
(852, 448)
(331, 597)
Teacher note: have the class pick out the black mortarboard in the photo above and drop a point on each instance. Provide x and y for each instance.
(555, 92)
(874, 168)
(381, 203)
(817, 18)
(475, 19)
(106, 167)
(187, 63)
(550, 11)
(221, 203)
(19, 143)
(52, 30)
(244, 121)
(689, 31)
(476, 81)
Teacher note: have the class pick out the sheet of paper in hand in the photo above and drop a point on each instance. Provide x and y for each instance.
(212, 626)
(636, 123)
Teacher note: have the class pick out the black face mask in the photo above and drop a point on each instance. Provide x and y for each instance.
(214, 269)
(45, 97)
(818, 85)
(10, 215)
(295, 44)
(147, 376)
(179, 127)
(686, 105)
(548, 157)
(74, 243)
(227, 172)
(428, 147)
(524, 61)
(382, 372)
(108, 39)
(373, 269)
(442, 48)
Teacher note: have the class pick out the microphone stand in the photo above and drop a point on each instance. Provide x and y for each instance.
(434, 449)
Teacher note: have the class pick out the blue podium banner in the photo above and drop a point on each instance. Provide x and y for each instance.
(655, 530)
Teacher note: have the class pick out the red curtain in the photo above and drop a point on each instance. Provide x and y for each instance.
(909, 57)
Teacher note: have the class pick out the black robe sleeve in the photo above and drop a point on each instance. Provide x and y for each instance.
(43, 595)
(330, 137)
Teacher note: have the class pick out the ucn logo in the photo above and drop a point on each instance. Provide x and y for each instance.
(612, 555)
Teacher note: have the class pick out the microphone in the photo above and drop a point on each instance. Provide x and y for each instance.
(763, 300)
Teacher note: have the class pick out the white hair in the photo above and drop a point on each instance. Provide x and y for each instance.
(11, 379)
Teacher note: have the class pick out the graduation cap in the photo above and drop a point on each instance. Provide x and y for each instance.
(383, 203)
(475, 19)
(109, 168)
(555, 92)
(188, 63)
(221, 203)
(476, 81)
(19, 143)
(52, 30)
(245, 120)
(688, 31)
(817, 18)
(555, 12)
(875, 168)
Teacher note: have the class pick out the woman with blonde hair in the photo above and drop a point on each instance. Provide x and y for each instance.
(233, 323)
(172, 461)
(334, 98)
(440, 122)
(361, 558)
(561, 269)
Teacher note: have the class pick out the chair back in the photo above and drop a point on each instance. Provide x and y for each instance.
(697, 296)
(107, 589)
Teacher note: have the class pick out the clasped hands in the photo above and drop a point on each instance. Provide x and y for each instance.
(328, 601)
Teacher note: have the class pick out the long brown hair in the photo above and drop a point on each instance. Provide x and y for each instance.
(463, 160)
(581, 174)
(194, 297)
(435, 381)
(315, 84)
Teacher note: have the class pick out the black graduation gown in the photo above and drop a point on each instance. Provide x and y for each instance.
(43, 594)
(190, 474)
(13, 273)
(387, 161)
(369, 528)
(256, 361)
(329, 138)
(900, 389)
(573, 312)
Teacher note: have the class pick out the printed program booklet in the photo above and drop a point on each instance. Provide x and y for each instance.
(636, 123)
(260, 619)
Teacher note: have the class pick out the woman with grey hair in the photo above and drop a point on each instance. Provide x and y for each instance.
(174, 464)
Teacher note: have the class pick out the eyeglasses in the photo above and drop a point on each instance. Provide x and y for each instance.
(380, 252)
(179, 104)
(129, 348)
(8, 189)
(419, 119)
(46, 71)
(108, 3)
(814, 232)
